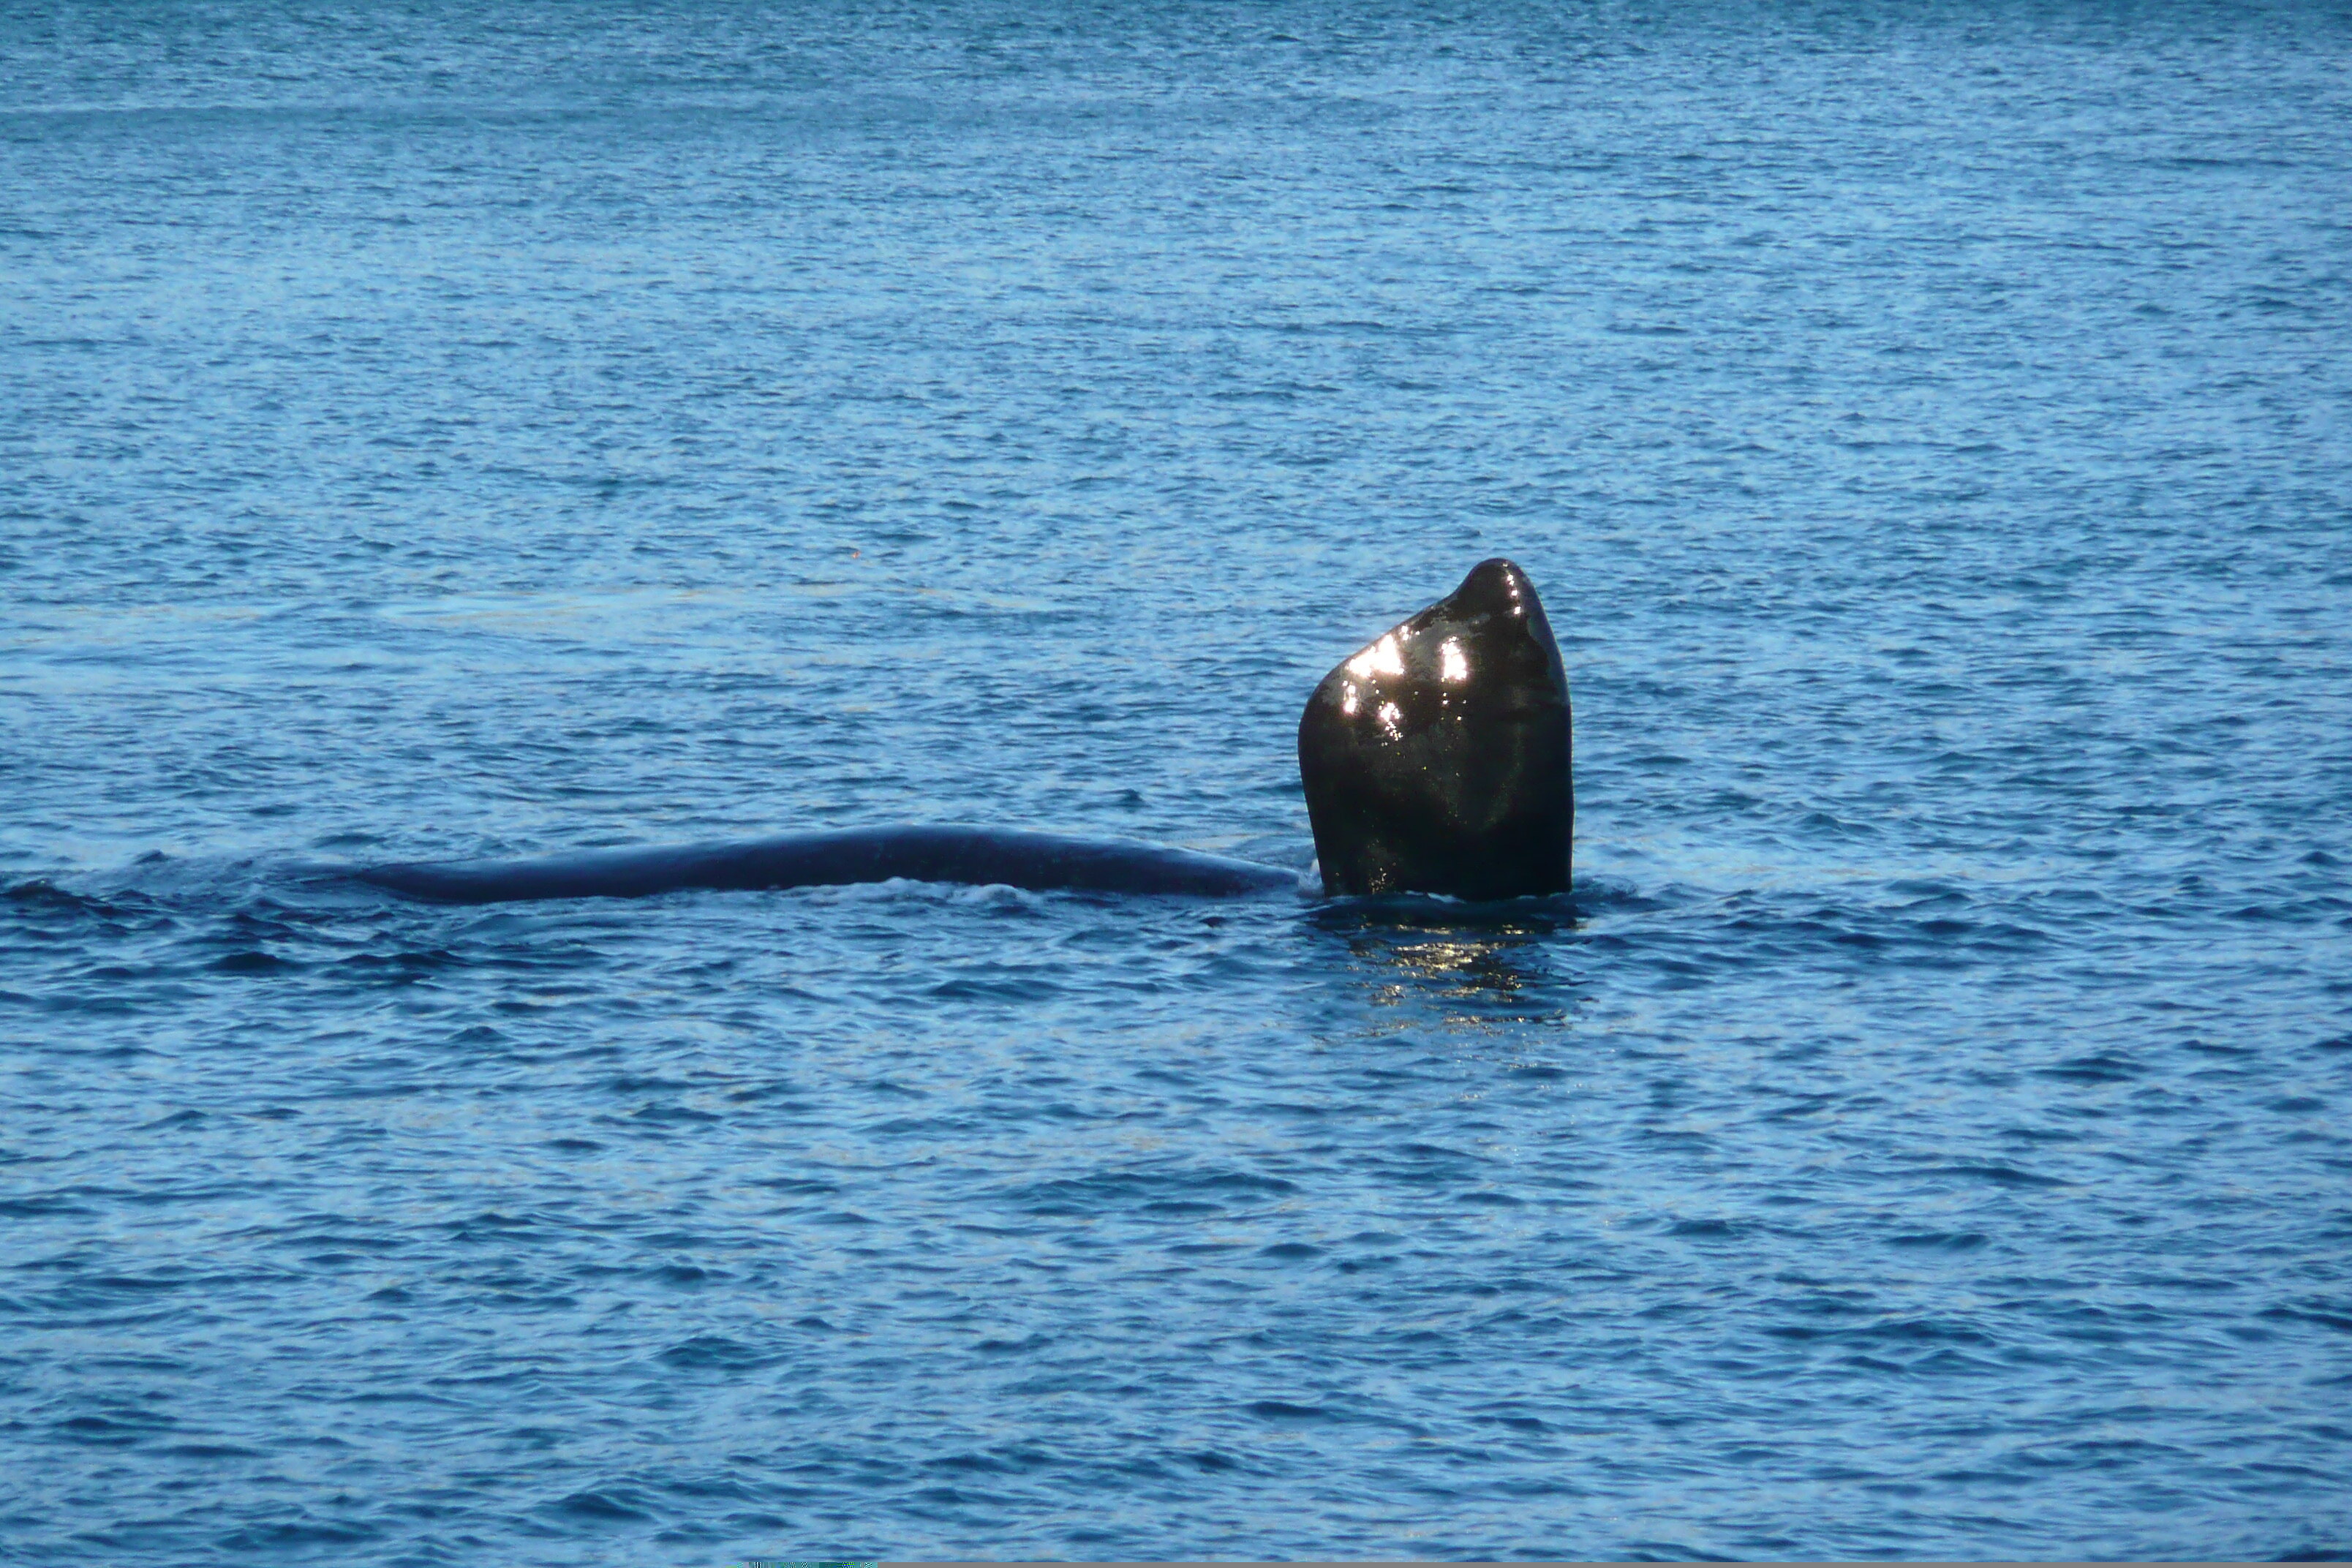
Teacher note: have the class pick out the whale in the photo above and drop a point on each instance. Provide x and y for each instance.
(1434, 760)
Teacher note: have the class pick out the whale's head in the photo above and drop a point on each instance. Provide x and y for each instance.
(1436, 757)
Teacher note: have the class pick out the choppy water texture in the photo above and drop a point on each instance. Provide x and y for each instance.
(500, 428)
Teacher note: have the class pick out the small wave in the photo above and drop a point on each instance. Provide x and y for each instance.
(1436, 911)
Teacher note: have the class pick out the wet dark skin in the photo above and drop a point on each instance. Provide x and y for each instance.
(1436, 759)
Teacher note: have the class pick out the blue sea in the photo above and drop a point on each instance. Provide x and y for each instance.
(438, 430)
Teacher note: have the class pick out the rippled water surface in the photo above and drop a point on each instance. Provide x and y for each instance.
(499, 428)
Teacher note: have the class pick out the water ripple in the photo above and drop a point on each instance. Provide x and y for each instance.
(448, 433)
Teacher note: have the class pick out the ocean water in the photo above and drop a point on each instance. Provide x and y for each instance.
(440, 430)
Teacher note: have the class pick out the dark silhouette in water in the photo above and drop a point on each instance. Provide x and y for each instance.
(1436, 761)
(981, 854)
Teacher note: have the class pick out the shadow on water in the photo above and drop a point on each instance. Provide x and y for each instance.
(1507, 918)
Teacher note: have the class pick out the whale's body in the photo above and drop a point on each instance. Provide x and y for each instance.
(972, 855)
(1435, 760)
